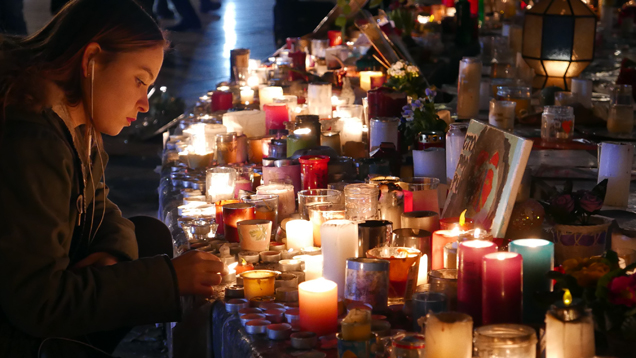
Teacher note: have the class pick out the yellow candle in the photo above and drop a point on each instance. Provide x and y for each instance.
(257, 283)
(247, 95)
(357, 325)
(365, 78)
(318, 303)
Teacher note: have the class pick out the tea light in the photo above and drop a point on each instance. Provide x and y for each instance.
(312, 251)
(469, 276)
(249, 310)
(340, 242)
(270, 256)
(250, 317)
(303, 340)
(318, 302)
(235, 292)
(440, 239)
(247, 95)
(289, 265)
(236, 304)
(270, 306)
(449, 335)
(277, 246)
(266, 95)
(279, 331)
(365, 78)
(258, 326)
(289, 254)
(292, 316)
(275, 315)
(501, 288)
(299, 234)
(313, 266)
(258, 283)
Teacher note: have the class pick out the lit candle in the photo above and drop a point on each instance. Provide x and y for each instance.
(247, 95)
(538, 260)
(340, 238)
(331, 140)
(469, 276)
(249, 122)
(319, 99)
(318, 305)
(449, 335)
(501, 288)
(302, 138)
(440, 239)
(286, 198)
(232, 214)
(365, 78)
(313, 265)
(569, 330)
(257, 283)
(351, 130)
(276, 115)
(220, 183)
(299, 234)
(266, 95)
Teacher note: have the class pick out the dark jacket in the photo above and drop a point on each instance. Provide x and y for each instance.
(42, 234)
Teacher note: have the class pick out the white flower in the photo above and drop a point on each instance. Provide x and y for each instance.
(400, 73)
(412, 70)
(398, 65)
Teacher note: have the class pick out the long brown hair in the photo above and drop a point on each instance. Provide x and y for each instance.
(55, 52)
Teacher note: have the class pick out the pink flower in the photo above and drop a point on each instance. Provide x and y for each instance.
(623, 291)
(590, 202)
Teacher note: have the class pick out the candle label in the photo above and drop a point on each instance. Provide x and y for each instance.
(370, 287)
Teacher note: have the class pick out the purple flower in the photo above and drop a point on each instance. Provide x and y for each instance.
(430, 93)
(589, 202)
(562, 205)
(417, 103)
(406, 108)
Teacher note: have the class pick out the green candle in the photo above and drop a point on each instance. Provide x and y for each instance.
(301, 139)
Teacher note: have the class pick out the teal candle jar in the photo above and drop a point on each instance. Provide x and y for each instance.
(302, 138)
(538, 260)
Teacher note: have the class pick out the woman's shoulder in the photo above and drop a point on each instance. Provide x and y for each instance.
(44, 125)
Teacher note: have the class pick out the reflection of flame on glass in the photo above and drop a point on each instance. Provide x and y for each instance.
(462, 218)
(567, 297)
(302, 131)
(231, 268)
(477, 233)
(456, 231)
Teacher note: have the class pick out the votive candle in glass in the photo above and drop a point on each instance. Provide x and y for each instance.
(276, 115)
(311, 197)
(254, 235)
(519, 95)
(403, 269)
(502, 114)
(255, 149)
(506, 340)
(219, 213)
(220, 183)
(247, 95)
(244, 178)
(227, 148)
(331, 140)
(440, 239)
(265, 208)
(318, 214)
(372, 234)
(313, 171)
(502, 288)
(449, 335)
(258, 283)
(557, 123)
(361, 202)
(301, 139)
(286, 198)
(385, 102)
(340, 239)
(221, 101)
(424, 194)
(266, 95)
(538, 260)
(319, 99)
(468, 84)
(318, 304)
(232, 214)
(445, 281)
(365, 78)
(299, 234)
(569, 331)
(469, 276)
(383, 129)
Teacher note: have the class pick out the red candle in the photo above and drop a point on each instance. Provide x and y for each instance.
(298, 63)
(313, 171)
(470, 255)
(451, 223)
(232, 214)
(219, 213)
(276, 114)
(408, 201)
(440, 239)
(335, 38)
(377, 81)
(501, 288)
(385, 102)
(221, 101)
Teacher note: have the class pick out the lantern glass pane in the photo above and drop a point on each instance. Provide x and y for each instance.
(584, 32)
(576, 68)
(558, 34)
(532, 36)
(540, 7)
(559, 7)
(536, 65)
(580, 9)
(556, 68)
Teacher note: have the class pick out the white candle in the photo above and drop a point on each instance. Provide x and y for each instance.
(202, 136)
(422, 274)
(449, 335)
(267, 94)
(582, 90)
(351, 130)
(250, 122)
(313, 265)
(247, 95)
(365, 78)
(339, 242)
(430, 163)
(615, 164)
(573, 339)
(299, 234)
(220, 183)
(468, 87)
(319, 99)
(286, 198)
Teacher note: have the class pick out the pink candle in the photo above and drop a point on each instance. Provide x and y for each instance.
(276, 115)
(469, 276)
(221, 101)
(408, 201)
(318, 304)
(441, 238)
(501, 288)
(242, 184)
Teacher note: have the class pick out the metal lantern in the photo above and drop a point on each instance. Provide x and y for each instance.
(558, 37)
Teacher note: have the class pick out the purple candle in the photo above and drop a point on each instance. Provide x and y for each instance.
(469, 276)
(502, 288)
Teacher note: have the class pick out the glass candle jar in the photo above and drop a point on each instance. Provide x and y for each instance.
(221, 101)
(445, 281)
(227, 148)
(276, 115)
(319, 99)
(311, 122)
(311, 197)
(564, 98)
(557, 123)
(303, 138)
(254, 235)
(519, 95)
(361, 202)
(403, 268)
(505, 341)
(285, 171)
(278, 149)
(318, 47)
(621, 117)
(258, 283)
(468, 84)
(383, 129)
(266, 95)
(219, 213)
(220, 183)
(232, 214)
(265, 208)
(320, 213)
(244, 179)
(423, 197)
(425, 302)
(255, 149)
(502, 114)
(331, 140)
(286, 198)
(385, 102)
(313, 171)
(367, 281)
(391, 202)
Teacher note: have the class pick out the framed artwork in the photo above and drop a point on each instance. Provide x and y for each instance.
(488, 176)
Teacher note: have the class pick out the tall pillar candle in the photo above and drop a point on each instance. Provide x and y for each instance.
(440, 239)
(449, 335)
(318, 304)
(276, 115)
(569, 332)
(538, 260)
(365, 78)
(286, 198)
(469, 276)
(249, 122)
(266, 95)
(385, 102)
(430, 163)
(299, 234)
(319, 99)
(615, 164)
(340, 242)
(313, 265)
(383, 129)
(501, 288)
(468, 85)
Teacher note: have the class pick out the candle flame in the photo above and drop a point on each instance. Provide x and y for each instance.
(301, 131)
(462, 218)
(243, 262)
(477, 233)
(567, 297)
(456, 231)
(501, 257)
(231, 268)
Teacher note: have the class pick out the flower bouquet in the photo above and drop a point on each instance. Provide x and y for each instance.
(405, 77)
(420, 116)
(576, 208)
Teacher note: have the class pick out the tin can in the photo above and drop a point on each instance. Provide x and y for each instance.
(367, 281)
(409, 346)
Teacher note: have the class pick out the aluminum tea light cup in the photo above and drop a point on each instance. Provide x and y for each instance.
(274, 315)
(279, 331)
(249, 310)
(289, 265)
(270, 256)
(250, 317)
(271, 306)
(234, 291)
(235, 304)
(258, 301)
(292, 316)
(303, 340)
(251, 257)
(258, 326)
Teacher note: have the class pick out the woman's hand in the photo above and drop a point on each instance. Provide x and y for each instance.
(97, 259)
(197, 272)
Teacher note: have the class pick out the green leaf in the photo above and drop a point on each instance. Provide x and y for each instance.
(341, 21)
(375, 3)
(346, 9)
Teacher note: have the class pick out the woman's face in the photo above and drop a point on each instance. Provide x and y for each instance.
(120, 88)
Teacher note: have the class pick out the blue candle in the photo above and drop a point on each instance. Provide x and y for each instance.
(538, 260)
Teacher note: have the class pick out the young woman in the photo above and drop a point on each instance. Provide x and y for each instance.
(69, 264)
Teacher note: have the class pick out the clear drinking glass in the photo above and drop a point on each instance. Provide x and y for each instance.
(557, 123)
(621, 117)
(502, 114)
(445, 281)
(505, 341)
(316, 196)
(361, 202)
(425, 197)
(519, 95)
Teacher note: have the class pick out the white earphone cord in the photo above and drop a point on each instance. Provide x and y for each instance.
(90, 166)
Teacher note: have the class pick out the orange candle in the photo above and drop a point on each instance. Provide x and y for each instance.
(441, 238)
(318, 303)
